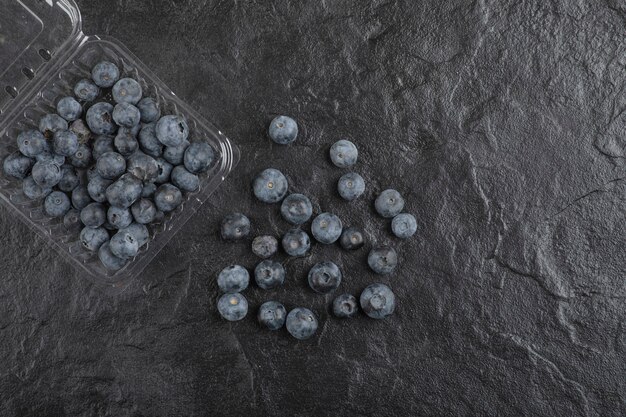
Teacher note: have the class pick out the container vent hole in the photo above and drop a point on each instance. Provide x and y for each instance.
(12, 91)
(28, 72)
(45, 54)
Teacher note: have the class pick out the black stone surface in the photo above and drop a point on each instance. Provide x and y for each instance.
(502, 124)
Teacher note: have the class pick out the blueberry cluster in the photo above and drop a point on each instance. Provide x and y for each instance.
(271, 186)
(109, 159)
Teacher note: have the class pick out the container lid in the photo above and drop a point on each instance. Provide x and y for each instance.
(32, 34)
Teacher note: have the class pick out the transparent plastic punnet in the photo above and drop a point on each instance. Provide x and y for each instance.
(43, 53)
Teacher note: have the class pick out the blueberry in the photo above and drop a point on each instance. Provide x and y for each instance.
(149, 110)
(148, 141)
(159, 217)
(124, 244)
(269, 274)
(164, 171)
(296, 242)
(270, 186)
(235, 226)
(82, 157)
(97, 186)
(389, 203)
(101, 145)
(272, 315)
(50, 124)
(65, 142)
(352, 239)
(111, 165)
(143, 167)
(127, 90)
(119, 218)
(69, 179)
(198, 157)
(93, 215)
(80, 197)
(184, 179)
(140, 232)
(71, 221)
(344, 153)
(69, 109)
(148, 190)
(125, 143)
(283, 130)
(126, 115)
(31, 143)
(109, 260)
(81, 130)
(132, 131)
(175, 154)
(326, 228)
(33, 190)
(124, 192)
(378, 301)
(351, 186)
(86, 90)
(301, 323)
(232, 306)
(56, 204)
(167, 197)
(17, 165)
(92, 238)
(47, 156)
(172, 130)
(324, 277)
(105, 74)
(100, 119)
(143, 211)
(296, 209)
(234, 278)
(264, 246)
(382, 260)
(345, 306)
(47, 174)
(404, 225)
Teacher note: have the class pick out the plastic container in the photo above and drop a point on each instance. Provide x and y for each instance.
(43, 53)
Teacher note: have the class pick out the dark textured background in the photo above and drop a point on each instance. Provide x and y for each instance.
(501, 122)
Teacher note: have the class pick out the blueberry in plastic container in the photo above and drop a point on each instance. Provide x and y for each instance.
(104, 74)
(69, 109)
(175, 154)
(126, 115)
(351, 186)
(148, 190)
(31, 143)
(232, 306)
(92, 238)
(111, 165)
(184, 179)
(296, 242)
(164, 171)
(65, 142)
(52, 123)
(81, 130)
(167, 197)
(125, 143)
(269, 274)
(80, 197)
(101, 145)
(198, 157)
(235, 226)
(108, 259)
(345, 306)
(352, 238)
(233, 278)
(71, 221)
(264, 246)
(56, 204)
(301, 323)
(324, 277)
(143, 211)
(382, 260)
(389, 203)
(97, 186)
(296, 209)
(69, 179)
(17, 165)
(132, 131)
(270, 186)
(344, 153)
(326, 228)
(124, 244)
(378, 301)
(149, 110)
(404, 225)
(119, 218)
(124, 192)
(100, 119)
(143, 167)
(86, 90)
(93, 215)
(127, 90)
(172, 130)
(82, 157)
(46, 173)
(34, 191)
(272, 315)
(140, 232)
(47, 156)
(148, 141)
(283, 130)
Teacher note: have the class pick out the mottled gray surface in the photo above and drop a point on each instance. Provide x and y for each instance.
(501, 122)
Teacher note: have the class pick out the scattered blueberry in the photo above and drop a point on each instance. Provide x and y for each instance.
(105, 74)
(97, 186)
(343, 153)
(65, 142)
(172, 130)
(101, 145)
(50, 124)
(301, 323)
(82, 157)
(326, 228)
(69, 179)
(235, 226)
(324, 277)
(81, 130)
(125, 143)
(124, 244)
(100, 119)
(33, 190)
(143, 167)
(143, 211)
(296, 209)
(269, 274)
(345, 306)
(124, 192)
(109, 260)
(164, 171)
(111, 165)
(232, 306)
(234, 278)
(389, 203)
(126, 115)
(148, 141)
(350, 186)
(86, 90)
(296, 242)
(93, 215)
(69, 109)
(17, 165)
(184, 179)
(119, 218)
(132, 131)
(272, 315)
(264, 246)
(149, 110)
(270, 186)
(46, 173)
(167, 197)
(140, 232)
(175, 154)
(352, 239)
(71, 221)
(283, 130)
(198, 157)
(92, 238)
(378, 301)
(56, 204)
(31, 143)
(148, 190)
(80, 197)
(127, 90)
(404, 225)
(382, 260)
